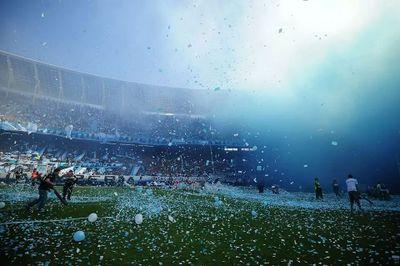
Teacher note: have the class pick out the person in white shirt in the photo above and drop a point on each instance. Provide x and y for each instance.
(352, 189)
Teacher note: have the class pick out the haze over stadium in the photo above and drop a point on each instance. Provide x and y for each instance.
(222, 97)
(328, 61)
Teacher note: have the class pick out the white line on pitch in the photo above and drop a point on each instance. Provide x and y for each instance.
(51, 221)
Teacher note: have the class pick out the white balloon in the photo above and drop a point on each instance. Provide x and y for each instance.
(92, 217)
(138, 218)
(2, 205)
(171, 219)
(218, 203)
(79, 236)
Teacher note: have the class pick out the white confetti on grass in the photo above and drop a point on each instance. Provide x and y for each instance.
(299, 199)
(193, 209)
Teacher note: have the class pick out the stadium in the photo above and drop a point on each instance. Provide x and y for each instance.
(41, 113)
(199, 133)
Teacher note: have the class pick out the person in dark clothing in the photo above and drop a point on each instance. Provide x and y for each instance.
(260, 185)
(275, 189)
(318, 189)
(70, 181)
(47, 183)
(260, 188)
(121, 181)
(335, 187)
(18, 175)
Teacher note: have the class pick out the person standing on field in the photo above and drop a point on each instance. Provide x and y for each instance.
(335, 188)
(352, 189)
(69, 182)
(318, 189)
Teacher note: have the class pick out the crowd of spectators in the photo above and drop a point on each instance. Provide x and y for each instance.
(92, 122)
(114, 161)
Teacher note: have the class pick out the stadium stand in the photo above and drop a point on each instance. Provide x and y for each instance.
(101, 126)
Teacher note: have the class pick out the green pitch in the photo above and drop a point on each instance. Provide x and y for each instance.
(187, 227)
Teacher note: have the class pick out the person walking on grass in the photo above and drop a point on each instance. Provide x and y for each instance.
(335, 188)
(69, 182)
(318, 189)
(47, 183)
(354, 195)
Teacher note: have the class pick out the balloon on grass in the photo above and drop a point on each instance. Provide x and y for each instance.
(79, 236)
(92, 217)
(138, 218)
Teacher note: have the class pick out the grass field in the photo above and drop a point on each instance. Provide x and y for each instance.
(188, 227)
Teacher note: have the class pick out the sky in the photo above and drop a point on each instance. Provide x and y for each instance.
(327, 70)
(246, 45)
